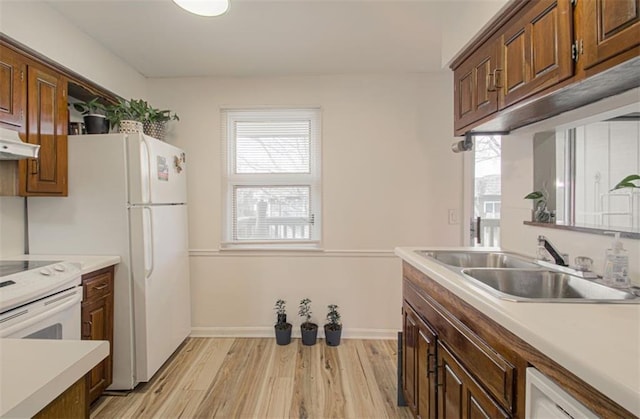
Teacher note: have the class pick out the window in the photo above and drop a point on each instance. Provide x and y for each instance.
(272, 178)
(590, 160)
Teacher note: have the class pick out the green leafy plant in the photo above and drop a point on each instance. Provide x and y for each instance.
(333, 317)
(280, 307)
(91, 107)
(627, 182)
(157, 115)
(126, 110)
(537, 196)
(304, 311)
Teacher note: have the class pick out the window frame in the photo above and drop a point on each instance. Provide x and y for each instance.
(232, 180)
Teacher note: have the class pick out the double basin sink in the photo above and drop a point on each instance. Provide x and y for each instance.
(517, 278)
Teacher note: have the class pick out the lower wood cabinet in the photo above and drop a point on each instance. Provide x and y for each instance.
(460, 394)
(97, 324)
(71, 404)
(459, 363)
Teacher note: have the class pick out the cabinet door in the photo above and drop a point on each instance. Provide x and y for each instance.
(47, 126)
(536, 50)
(610, 27)
(460, 395)
(13, 88)
(475, 94)
(409, 353)
(426, 371)
(97, 325)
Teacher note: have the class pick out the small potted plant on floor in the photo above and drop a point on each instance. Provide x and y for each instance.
(283, 329)
(94, 114)
(333, 329)
(308, 330)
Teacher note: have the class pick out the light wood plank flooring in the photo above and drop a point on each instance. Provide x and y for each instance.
(255, 378)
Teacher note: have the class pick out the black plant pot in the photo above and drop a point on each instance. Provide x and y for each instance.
(283, 333)
(96, 124)
(332, 337)
(309, 333)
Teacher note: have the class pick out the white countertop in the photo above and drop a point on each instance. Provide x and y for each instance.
(87, 263)
(600, 343)
(34, 372)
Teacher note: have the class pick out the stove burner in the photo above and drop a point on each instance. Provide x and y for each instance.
(10, 267)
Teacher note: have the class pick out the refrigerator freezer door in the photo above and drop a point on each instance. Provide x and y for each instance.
(162, 306)
(157, 171)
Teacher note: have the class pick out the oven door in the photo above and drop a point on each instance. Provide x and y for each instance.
(53, 317)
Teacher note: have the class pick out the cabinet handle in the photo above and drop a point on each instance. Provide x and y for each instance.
(101, 287)
(491, 81)
(34, 166)
(496, 78)
(431, 371)
(90, 324)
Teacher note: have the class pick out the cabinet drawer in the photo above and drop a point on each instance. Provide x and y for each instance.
(97, 286)
(487, 366)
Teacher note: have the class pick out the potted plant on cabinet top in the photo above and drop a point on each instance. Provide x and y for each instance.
(308, 330)
(94, 114)
(155, 122)
(128, 115)
(333, 329)
(283, 329)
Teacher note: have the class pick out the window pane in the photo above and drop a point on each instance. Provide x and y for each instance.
(271, 213)
(273, 146)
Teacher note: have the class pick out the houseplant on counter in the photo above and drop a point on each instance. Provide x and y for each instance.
(627, 182)
(333, 329)
(283, 329)
(308, 330)
(94, 114)
(541, 213)
(155, 122)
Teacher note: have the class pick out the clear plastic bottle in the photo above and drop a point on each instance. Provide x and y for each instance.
(616, 265)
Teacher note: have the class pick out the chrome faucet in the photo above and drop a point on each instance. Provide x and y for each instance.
(558, 257)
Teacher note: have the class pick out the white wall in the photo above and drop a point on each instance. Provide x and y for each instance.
(517, 181)
(11, 225)
(41, 28)
(462, 21)
(388, 179)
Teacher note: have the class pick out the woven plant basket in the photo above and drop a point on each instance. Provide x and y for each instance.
(156, 129)
(130, 127)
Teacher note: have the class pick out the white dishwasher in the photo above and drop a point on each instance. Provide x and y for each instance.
(546, 400)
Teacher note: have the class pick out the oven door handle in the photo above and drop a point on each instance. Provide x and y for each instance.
(73, 298)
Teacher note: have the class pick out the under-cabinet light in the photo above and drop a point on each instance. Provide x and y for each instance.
(204, 7)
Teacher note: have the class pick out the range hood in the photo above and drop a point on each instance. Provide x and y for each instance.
(12, 148)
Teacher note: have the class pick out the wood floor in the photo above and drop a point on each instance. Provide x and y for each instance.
(255, 378)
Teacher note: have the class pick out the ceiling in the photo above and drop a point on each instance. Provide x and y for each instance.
(267, 37)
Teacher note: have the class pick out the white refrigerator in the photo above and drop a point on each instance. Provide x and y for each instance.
(127, 197)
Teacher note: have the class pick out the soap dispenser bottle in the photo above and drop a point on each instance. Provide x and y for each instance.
(616, 265)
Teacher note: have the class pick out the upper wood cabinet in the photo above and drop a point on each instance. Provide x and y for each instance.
(475, 93)
(535, 51)
(611, 27)
(551, 58)
(47, 126)
(13, 88)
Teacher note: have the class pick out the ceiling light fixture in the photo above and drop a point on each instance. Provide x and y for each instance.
(204, 7)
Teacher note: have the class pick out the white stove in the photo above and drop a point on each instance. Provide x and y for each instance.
(23, 281)
(40, 299)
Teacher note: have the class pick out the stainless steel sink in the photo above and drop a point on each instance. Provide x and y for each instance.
(471, 259)
(544, 286)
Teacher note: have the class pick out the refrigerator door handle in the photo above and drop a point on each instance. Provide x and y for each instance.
(148, 242)
(145, 163)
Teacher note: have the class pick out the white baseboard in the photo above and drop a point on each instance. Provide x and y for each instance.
(267, 332)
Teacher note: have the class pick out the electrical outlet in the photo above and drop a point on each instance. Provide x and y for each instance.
(453, 216)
